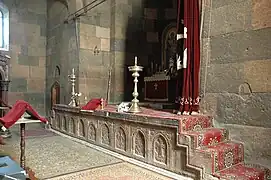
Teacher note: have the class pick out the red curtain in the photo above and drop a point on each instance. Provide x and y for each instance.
(189, 92)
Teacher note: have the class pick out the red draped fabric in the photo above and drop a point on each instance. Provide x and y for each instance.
(189, 93)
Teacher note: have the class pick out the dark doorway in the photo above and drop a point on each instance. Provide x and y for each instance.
(55, 94)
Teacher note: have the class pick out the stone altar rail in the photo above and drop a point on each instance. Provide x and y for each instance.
(148, 139)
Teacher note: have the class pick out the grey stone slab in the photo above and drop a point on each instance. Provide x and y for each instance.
(117, 45)
(220, 3)
(252, 110)
(232, 18)
(28, 60)
(24, 50)
(224, 78)
(88, 57)
(18, 85)
(241, 46)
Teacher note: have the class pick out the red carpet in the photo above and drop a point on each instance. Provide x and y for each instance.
(211, 147)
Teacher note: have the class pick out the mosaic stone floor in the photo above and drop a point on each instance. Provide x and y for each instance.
(55, 157)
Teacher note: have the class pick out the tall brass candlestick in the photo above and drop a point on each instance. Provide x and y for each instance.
(72, 79)
(135, 102)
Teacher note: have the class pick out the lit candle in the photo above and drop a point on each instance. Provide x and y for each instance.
(72, 70)
(135, 61)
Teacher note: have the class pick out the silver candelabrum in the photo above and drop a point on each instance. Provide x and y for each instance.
(74, 96)
(135, 102)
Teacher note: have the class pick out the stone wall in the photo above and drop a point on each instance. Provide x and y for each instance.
(62, 51)
(236, 67)
(27, 51)
(94, 53)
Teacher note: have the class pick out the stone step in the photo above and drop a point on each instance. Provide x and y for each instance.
(195, 123)
(218, 157)
(207, 137)
(243, 171)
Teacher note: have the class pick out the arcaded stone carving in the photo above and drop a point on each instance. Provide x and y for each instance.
(160, 149)
(81, 129)
(105, 134)
(65, 124)
(72, 126)
(58, 121)
(120, 139)
(91, 132)
(139, 144)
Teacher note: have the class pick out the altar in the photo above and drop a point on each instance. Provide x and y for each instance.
(160, 88)
(149, 136)
(161, 82)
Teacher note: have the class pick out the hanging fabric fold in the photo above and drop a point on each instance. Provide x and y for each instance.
(188, 97)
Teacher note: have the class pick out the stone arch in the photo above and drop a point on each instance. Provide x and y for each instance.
(91, 132)
(65, 124)
(166, 34)
(139, 144)
(81, 128)
(160, 149)
(58, 121)
(57, 72)
(55, 94)
(105, 134)
(72, 126)
(120, 138)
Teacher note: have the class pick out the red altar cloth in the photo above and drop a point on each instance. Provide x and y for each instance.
(16, 112)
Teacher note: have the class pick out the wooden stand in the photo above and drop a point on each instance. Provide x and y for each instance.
(22, 123)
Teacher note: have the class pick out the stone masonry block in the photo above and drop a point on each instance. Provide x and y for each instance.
(258, 74)
(220, 3)
(117, 45)
(87, 57)
(36, 85)
(37, 72)
(19, 71)
(150, 13)
(230, 18)
(170, 13)
(261, 14)
(105, 44)
(224, 77)
(102, 32)
(87, 42)
(18, 85)
(87, 30)
(152, 37)
(252, 110)
(241, 46)
(28, 60)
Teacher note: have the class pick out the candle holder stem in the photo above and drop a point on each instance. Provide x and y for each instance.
(135, 102)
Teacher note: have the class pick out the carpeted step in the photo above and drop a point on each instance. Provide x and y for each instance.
(244, 171)
(194, 123)
(218, 157)
(207, 137)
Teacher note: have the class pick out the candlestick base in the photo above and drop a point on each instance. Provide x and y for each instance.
(134, 108)
(73, 103)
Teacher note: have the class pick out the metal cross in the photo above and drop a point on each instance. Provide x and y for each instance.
(155, 86)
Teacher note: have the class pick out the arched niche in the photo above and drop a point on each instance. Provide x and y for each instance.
(169, 44)
(55, 94)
